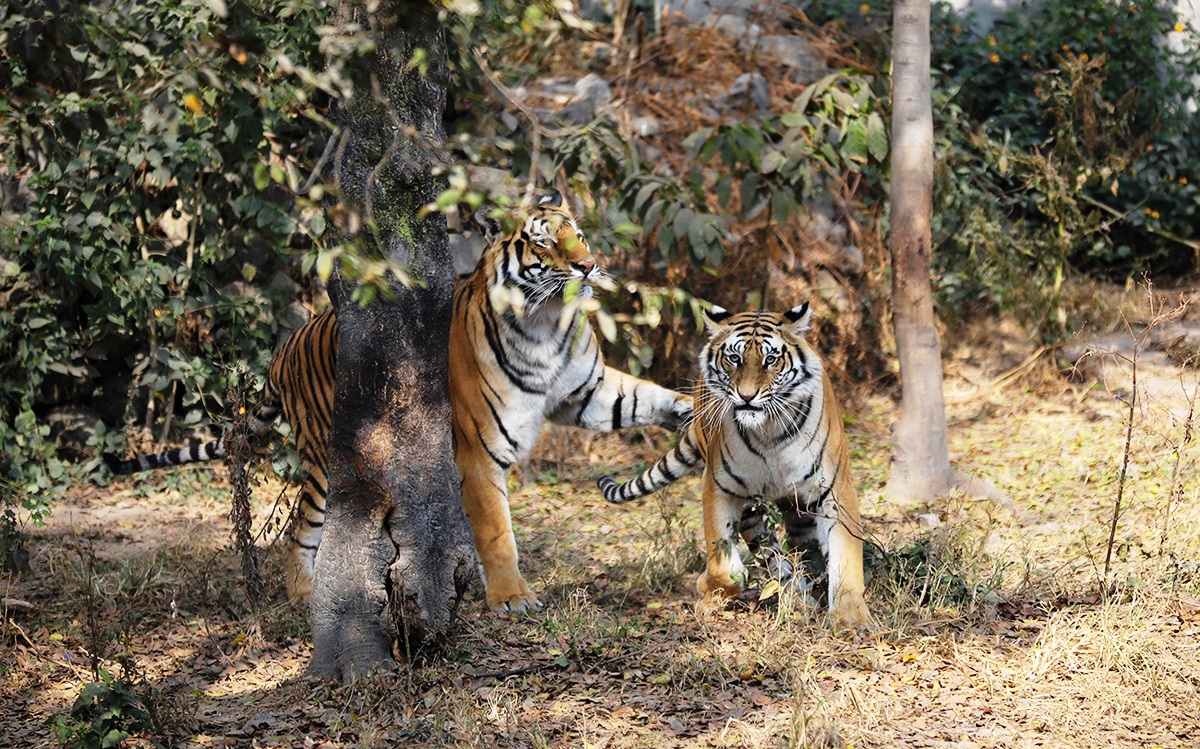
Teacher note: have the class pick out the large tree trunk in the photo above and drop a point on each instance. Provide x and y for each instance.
(397, 550)
(921, 462)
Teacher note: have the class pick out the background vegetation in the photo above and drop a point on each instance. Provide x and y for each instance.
(164, 204)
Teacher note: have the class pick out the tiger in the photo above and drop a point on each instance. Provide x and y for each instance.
(300, 385)
(521, 350)
(511, 369)
(767, 427)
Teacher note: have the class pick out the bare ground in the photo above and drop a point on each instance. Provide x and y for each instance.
(996, 628)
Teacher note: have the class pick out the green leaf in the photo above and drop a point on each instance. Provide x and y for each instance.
(695, 233)
(783, 202)
(771, 161)
(724, 190)
(645, 194)
(650, 220)
(697, 140)
(877, 137)
(752, 204)
(448, 200)
(607, 325)
(262, 176)
(794, 119)
(683, 217)
(843, 101)
(325, 265)
(813, 90)
(854, 142)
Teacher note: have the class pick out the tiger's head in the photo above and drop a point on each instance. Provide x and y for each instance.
(544, 255)
(758, 364)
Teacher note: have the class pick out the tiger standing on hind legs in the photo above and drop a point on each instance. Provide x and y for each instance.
(767, 425)
(510, 368)
(519, 353)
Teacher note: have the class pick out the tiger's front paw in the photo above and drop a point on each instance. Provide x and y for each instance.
(681, 413)
(518, 599)
(719, 585)
(850, 610)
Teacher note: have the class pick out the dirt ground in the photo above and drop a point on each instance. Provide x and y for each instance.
(995, 625)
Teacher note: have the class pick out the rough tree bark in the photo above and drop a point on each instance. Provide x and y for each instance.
(397, 550)
(921, 467)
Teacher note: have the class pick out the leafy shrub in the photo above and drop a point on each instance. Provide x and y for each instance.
(105, 713)
(161, 149)
(1073, 119)
(691, 213)
(1065, 145)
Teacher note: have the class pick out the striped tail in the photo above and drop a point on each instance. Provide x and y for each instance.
(201, 452)
(197, 453)
(670, 467)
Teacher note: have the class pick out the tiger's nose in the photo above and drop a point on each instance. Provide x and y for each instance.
(747, 397)
(584, 266)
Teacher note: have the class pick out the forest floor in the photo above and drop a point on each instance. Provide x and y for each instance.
(995, 626)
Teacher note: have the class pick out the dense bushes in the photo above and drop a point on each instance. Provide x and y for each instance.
(161, 148)
(1068, 146)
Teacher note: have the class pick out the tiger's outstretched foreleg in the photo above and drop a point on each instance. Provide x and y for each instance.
(616, 400)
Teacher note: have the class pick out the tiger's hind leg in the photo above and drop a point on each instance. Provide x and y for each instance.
(485, 498)
(304, 535)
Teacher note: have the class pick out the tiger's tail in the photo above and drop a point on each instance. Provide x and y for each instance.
(670, 467)
(201, 452)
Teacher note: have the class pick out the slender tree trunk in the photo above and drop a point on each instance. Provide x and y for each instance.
(921, 462)
(921, 467)
(397, 550)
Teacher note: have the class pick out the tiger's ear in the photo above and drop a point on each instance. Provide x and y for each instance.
(552, 199)
(486, 219)
(800, 318)
(714, 317)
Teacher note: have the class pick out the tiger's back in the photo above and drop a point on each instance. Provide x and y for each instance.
(300, 385)
(302, 374)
